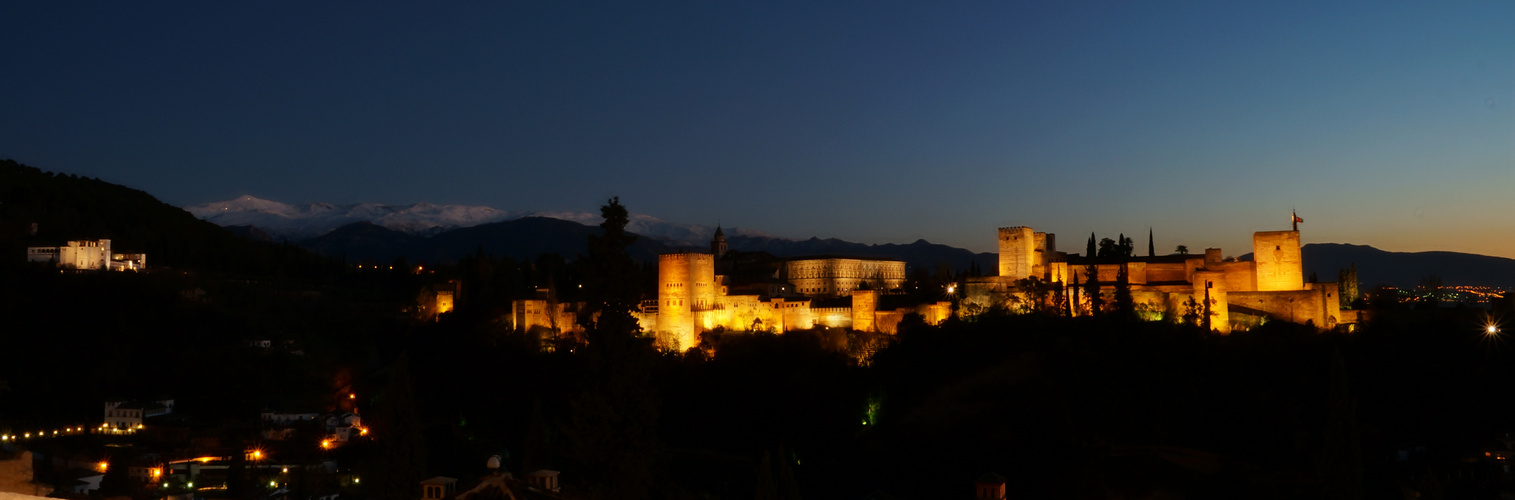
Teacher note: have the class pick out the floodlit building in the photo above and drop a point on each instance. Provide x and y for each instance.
(87, 255)
(1239, 293)
(802, 293)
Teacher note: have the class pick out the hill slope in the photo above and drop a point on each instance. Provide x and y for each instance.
(1405, 269)
(67, 207)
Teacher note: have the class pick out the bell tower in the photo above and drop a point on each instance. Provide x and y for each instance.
(718, 243)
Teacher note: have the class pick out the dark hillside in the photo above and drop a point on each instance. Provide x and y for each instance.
(68, 207)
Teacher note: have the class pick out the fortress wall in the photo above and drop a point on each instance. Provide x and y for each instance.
(1165, 272)
(1016, 251)
(1316, 305)
(796, 315)
(1058, 272)
(889, 321)
(984, 292)
(1136, 273)
(1277, 255)
(832, 317)
(1240, 276)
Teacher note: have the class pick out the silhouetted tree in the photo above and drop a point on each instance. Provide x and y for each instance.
(1151, 248)
(1091, 288)
(1125, 306)
(1181, 250)
(611, 284)
(1090, 252)
(1116, 249)
(612, 432)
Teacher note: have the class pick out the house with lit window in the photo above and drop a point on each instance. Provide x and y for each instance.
(129, 415)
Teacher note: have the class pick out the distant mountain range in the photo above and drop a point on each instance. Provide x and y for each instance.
(282, 221)
(424, 232)
(1406, 269)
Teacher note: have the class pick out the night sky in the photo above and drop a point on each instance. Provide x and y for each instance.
(868, 121)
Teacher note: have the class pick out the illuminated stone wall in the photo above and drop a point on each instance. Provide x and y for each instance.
(1277, 256)
(1240, 275)
(832, 317)
(1317, 305)
(1165, 272)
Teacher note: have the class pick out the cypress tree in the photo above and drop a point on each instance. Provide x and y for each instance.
(1151, 249)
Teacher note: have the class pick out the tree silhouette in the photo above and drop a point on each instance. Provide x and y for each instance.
(612, 431)
(1125, 306)
(1091, 288)
(612, 282)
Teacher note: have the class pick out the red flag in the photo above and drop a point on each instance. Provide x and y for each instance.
(1298, 220)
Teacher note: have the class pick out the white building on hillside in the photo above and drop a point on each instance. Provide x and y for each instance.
(87, 255)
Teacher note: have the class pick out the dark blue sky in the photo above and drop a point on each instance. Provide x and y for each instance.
(872, 121)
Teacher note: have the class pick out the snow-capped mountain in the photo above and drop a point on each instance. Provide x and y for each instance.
(300, 222)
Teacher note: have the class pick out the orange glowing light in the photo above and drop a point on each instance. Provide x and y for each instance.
(102, 466)
(326, 444)
(352, 396)
(363, 431)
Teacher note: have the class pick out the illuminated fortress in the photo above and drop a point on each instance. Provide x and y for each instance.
(826, 291)
(1271, 286)
(858, 293)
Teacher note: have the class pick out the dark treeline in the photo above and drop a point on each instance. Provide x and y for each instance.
(1064, 408)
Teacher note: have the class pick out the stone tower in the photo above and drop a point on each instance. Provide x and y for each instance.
(686, 285)
(1017, 253)
(718, 243)
(1277, 256)
(675, 323)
